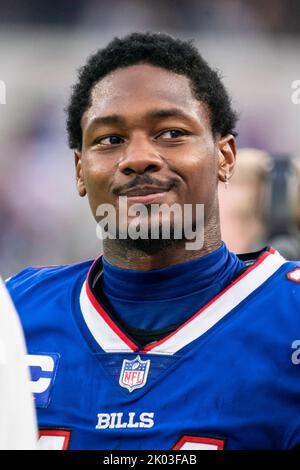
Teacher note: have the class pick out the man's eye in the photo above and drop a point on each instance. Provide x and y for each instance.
(109, 140)
(171, 134)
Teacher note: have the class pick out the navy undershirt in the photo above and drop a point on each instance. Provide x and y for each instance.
(161, 298)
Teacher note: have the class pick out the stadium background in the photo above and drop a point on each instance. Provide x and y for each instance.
(255, 44)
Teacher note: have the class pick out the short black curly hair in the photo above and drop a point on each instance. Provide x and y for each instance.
(160, 50)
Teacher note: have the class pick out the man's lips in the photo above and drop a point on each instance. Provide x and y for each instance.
(147, 199)
(144, 191)
(145, 194)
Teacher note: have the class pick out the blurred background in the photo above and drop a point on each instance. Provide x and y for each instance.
(255, 44)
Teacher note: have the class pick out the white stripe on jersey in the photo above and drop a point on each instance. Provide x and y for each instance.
(104, 335)
(222, 305)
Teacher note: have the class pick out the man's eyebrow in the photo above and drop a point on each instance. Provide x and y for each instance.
(109, 120)
(116, 119)
(168, 113)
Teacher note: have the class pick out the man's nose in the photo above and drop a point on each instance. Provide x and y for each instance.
(140, 156)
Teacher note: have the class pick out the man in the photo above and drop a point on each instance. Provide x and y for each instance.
(18, 421)
(157, 344)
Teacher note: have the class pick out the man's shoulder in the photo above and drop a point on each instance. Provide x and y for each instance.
(38, 276)
(271, 270)
(253, 259)
(289, 281)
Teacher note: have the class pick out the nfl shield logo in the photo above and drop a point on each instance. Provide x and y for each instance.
(134, 373)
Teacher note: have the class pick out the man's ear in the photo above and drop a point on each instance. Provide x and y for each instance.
(227, 157)
(79, 174)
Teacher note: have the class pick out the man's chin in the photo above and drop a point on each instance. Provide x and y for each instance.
(148, 246)
(152, 240)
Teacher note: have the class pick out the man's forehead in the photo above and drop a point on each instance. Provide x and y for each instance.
(141, 86)
(147, 75)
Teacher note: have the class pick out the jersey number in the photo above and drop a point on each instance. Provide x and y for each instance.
(54, 439)
(199, 443)
(59, 439)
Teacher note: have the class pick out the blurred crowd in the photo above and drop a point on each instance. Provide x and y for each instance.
(261, 207)
(270, 16)
(40, 211)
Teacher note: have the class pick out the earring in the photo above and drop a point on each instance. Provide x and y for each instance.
(226, 181)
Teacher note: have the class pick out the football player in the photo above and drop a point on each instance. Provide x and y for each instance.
(157, 344)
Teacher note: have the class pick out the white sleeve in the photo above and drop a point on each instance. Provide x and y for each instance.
(17, 415)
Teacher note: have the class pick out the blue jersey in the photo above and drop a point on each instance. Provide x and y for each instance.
(228, 378)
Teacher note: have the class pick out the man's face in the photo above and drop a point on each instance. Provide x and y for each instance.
(145, 136)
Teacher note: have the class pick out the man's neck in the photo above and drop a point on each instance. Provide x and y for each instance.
(130, 256)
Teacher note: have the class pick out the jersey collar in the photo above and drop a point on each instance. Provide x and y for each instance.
(112, 338)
